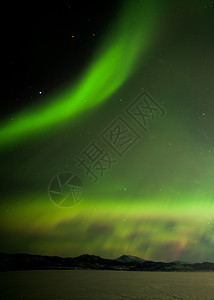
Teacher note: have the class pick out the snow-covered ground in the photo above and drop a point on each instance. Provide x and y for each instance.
(100, 285)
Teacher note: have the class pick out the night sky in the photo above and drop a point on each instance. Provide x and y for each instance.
(107, 132)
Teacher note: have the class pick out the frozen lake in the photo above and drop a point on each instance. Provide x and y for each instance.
(99, 285)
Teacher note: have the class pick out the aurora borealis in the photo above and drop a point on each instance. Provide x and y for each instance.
(156, 202)
(114, 63)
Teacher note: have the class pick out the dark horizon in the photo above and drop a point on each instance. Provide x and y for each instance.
(107, 258)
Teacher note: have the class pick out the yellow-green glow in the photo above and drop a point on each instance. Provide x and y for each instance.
(153, 230)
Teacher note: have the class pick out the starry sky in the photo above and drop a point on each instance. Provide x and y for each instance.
(106, 131)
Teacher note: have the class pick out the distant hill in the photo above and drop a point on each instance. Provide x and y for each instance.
(182, 262)
(22, 261)
(129, 258)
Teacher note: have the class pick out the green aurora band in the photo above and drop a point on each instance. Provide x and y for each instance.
(115, 61)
